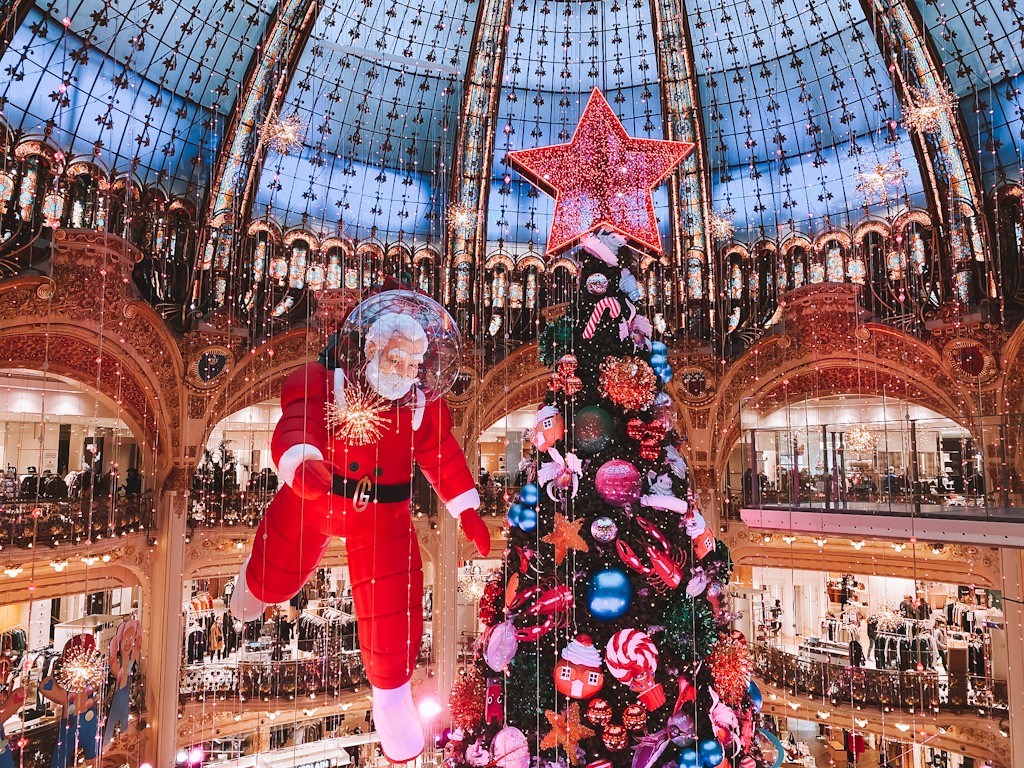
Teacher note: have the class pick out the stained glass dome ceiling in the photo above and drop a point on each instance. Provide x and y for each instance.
(796, 98)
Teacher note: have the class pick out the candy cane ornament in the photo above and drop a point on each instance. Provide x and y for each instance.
(609, 304)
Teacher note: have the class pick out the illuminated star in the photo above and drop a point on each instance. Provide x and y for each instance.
(566, 731)
(566, 536)
(603, 178)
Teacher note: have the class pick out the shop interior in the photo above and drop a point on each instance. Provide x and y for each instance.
(59, 439)
(857, 449)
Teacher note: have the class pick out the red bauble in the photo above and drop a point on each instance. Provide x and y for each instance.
(600, 712)
(615, 737)
(634, 718)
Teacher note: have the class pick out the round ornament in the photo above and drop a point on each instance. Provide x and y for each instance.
(711, 752)
(629, 382)
(689, 758)
(510, 749)
(619, 482)
(592, 429)
(515, 514)
(609, 594)
(501, 645)
(634, 718)
(755, 696)
(597, 284)
(632, 658)
(604, 530)
(615, 737)
(528, 519)
(600, 712)
(529, 494)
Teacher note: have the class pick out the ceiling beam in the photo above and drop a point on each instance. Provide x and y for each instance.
(466, 223)
(689, 191)
(953, 192)
(243, 150)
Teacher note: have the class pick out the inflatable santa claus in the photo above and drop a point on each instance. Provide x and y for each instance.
(351, 427)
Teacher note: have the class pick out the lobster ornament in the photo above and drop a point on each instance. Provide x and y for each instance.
(665, 572)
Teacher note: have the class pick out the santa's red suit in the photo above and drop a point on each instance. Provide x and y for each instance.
(365, 500)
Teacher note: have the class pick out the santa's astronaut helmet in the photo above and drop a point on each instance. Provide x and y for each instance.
(398, 342)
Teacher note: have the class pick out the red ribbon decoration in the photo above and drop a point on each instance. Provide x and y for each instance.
(649, 435)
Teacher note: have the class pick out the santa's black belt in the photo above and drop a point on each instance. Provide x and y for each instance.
(366, 490)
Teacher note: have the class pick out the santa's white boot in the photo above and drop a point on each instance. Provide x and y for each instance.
(397, 723)
(244, 604)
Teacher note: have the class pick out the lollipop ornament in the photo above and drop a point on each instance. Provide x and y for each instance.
(632, 659)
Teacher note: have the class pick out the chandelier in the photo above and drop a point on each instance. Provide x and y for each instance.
(284, 134)
(721, 227)
(875, 184)
(81, 668)
(926, 110)
(472, 581)
(859, 439)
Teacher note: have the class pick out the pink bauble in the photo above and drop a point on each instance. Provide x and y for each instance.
(500, 645)
(510, 749)
(618, 482)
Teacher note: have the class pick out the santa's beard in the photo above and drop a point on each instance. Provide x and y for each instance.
(390, 386)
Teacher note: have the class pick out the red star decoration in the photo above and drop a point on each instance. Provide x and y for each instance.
(603, 178)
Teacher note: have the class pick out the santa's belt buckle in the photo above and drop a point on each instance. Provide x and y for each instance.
(364, 491)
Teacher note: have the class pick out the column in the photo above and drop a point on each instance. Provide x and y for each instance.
(163, 628)
(446, 584)
(1012, 566)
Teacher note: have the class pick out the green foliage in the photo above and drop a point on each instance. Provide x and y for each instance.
(690, 630)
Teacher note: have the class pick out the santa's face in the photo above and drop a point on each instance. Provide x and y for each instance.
(394, 369)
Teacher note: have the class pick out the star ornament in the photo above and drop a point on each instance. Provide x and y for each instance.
(566, 536)
(603, 178)
(566, 731)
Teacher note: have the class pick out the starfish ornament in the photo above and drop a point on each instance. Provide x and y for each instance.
(566, 536)
(603, 178)
(566, 731)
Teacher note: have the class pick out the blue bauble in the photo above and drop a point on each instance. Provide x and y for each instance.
(658, 361)
(666, 375)
(528, 519)
(515, 514)
(755, 696)
(711, 752)
(609, 595)
(529, 494)
(689, 758)
(659, 348)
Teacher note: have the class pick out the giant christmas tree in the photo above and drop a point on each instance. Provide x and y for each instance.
(608, 640)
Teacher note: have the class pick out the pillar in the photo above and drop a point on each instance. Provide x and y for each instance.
(1012, 564)
(163, 629)
(446, 625)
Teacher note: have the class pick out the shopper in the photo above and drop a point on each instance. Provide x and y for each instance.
(939, 633)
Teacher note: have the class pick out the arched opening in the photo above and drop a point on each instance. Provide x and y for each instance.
(72, 468)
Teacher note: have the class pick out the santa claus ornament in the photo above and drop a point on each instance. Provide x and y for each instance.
(578, 673)
(351, 425)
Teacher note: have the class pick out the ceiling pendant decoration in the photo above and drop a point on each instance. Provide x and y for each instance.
(928, 110)
(284, 134)
(602, 178)
(875, 185)
(859, 439)
(720, 227)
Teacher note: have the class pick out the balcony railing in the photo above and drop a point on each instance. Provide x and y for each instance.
(52, 523)
(889, 689)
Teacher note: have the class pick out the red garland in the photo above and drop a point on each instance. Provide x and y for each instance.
(629, 382)
(466, 700)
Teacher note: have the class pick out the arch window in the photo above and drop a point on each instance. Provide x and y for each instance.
(297, 265)
(694, 278)
(835, 269)
(531, 288)
(334, 271)
(29, 188)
